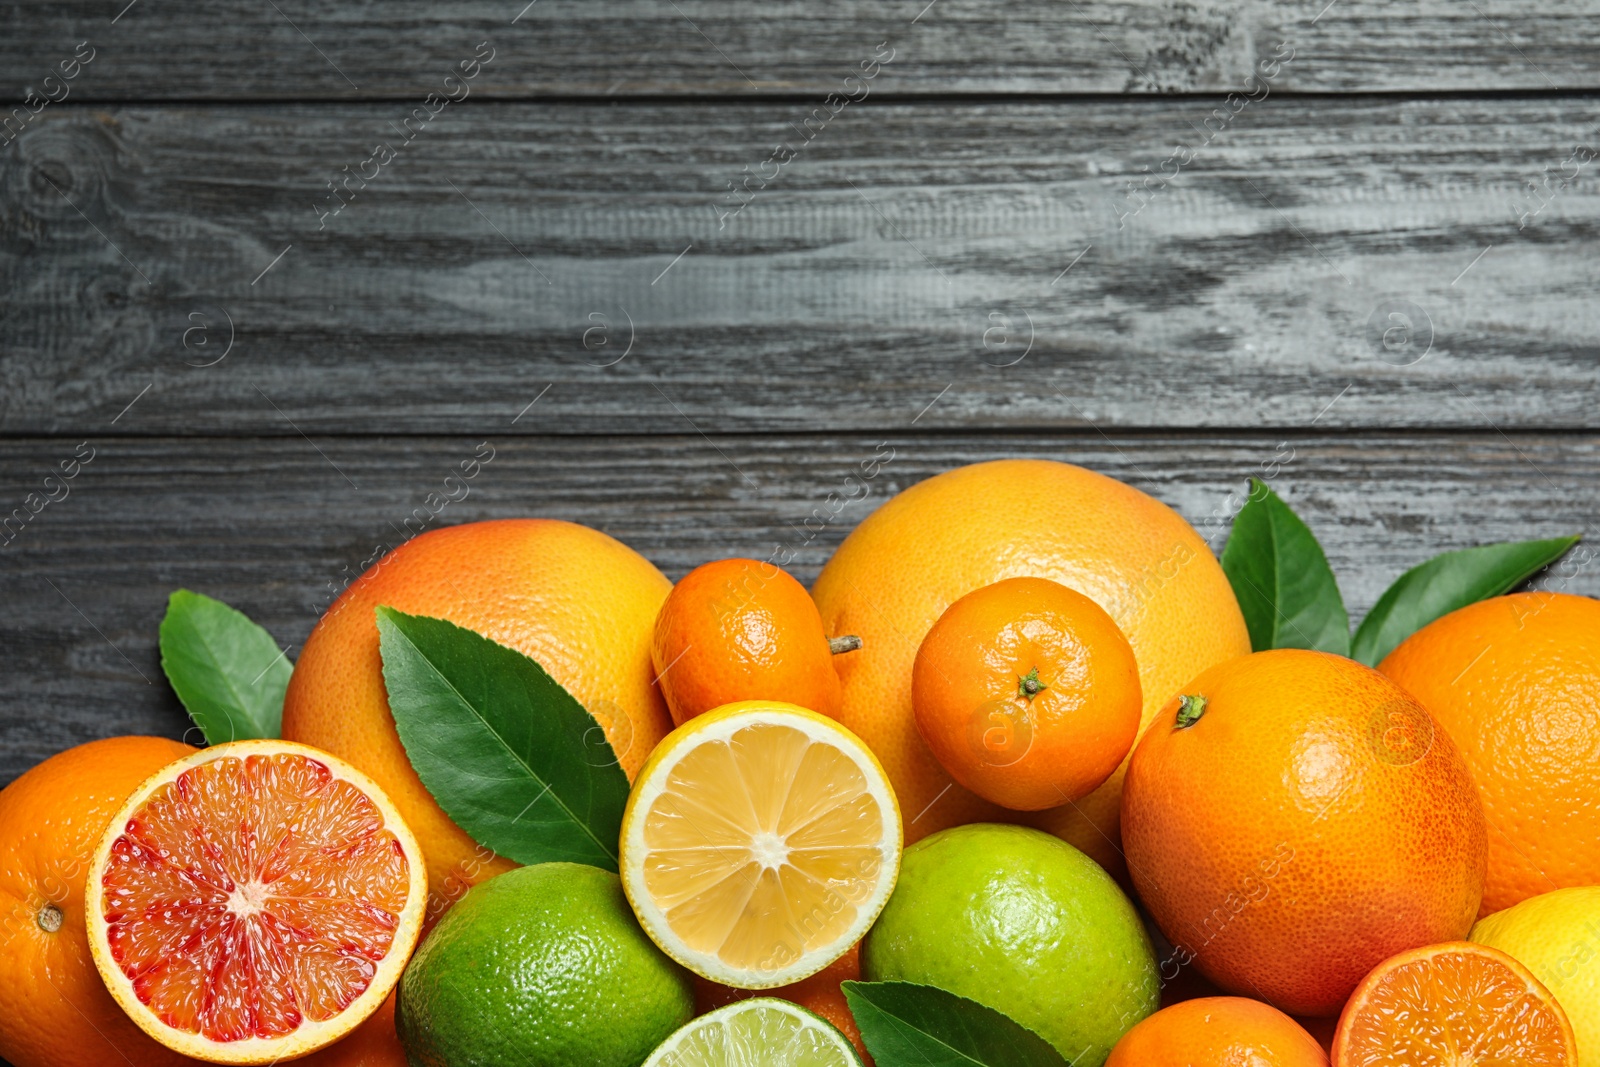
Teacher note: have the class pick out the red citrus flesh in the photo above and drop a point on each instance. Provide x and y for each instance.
(250, 895)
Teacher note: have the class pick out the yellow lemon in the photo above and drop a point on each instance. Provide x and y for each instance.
(759, 843)
(1557, 937)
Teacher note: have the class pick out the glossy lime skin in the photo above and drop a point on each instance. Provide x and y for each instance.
(1024, 923)
(543, 966)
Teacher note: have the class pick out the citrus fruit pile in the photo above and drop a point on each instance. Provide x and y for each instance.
(1030, 778)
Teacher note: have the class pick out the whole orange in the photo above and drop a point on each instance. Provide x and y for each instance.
(821, 993)
(1295, 818)
(1515, 682)
(54, 1009)
(579, 602)
(1218, 1032)
(970, 527)
(1027, 693)
(739, 629)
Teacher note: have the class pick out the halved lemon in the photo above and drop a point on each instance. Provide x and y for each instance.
(760, 842)
(254, 902)
(773, 1033)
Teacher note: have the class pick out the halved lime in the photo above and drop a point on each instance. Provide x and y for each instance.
(764, 1031)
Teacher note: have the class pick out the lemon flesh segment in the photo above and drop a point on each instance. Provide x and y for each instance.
(756, 1033)
(760, 843)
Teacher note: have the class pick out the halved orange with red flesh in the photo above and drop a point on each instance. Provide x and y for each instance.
(1449, 1005)
(254, 902)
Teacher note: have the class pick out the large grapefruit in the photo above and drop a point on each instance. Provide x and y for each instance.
(970, 527)
(581, 603)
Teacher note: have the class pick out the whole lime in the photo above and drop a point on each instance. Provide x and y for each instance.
(543, 966)
(1026, 924)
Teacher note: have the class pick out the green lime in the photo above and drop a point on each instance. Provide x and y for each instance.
(543, 966)
(1026, 924)
(773, 1033)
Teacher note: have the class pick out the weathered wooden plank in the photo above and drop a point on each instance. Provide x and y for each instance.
(1349, 262)
(274, 526)
(299, 48)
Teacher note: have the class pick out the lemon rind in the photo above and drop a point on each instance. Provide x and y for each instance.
(719, 725)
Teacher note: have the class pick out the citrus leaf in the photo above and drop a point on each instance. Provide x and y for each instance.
(508, 753)
(1282, 579)
(908, 1025)
(1447, 582)
(229, 672)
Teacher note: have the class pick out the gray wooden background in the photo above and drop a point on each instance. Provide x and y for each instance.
(683, 264)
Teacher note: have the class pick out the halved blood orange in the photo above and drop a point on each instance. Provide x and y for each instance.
(1451, 1005)
(254, 902)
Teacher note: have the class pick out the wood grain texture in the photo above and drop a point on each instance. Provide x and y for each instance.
(402, 48)
(907, 250)
(275, 526)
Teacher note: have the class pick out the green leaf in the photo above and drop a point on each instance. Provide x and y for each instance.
(229, 672)
(908, 1025)
(1282, 579)
(1447, 582)
(508, 753)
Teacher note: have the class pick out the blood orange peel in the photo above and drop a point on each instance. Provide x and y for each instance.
(254, 902)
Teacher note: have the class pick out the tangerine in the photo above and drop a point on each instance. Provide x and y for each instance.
(739, 629)
(1027, 693)
(1218, 1032)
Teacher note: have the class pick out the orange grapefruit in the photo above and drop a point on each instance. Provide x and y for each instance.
(1514, 681)
(970, 527)
(54, 1010)
(580, 602)
(254, 902)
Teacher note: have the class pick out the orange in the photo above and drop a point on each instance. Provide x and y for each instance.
(254, 902)
(821, 993)
(1308, 822)
(579, 602)
(54, 1010)
(1452, 1005)
(1027, 693)
(1218, 1032)
(739, 629)
(1513, 680)
(970, 527)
